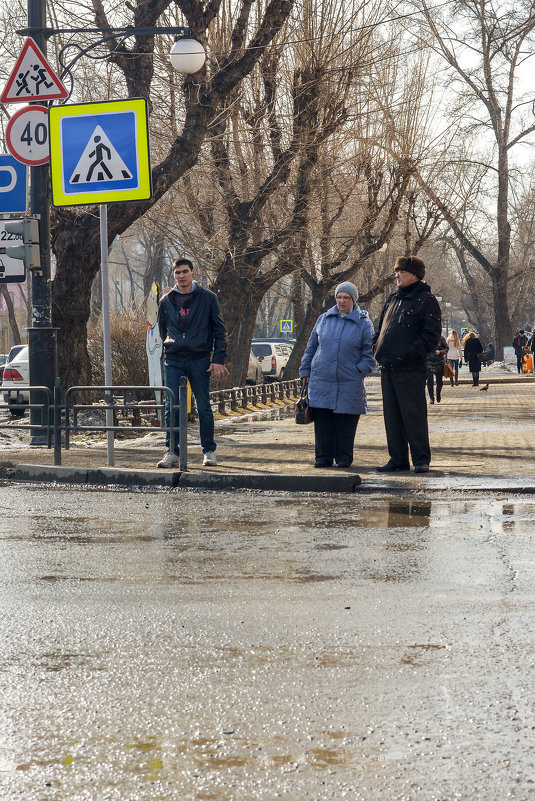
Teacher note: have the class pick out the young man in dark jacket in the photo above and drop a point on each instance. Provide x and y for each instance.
(195, 345)
(409, 328)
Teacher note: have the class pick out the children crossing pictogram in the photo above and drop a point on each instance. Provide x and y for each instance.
(32, 78)
(100, 161)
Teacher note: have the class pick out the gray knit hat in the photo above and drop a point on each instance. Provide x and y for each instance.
(347, 286)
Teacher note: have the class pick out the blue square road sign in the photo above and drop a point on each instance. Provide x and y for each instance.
(13, 185)
(99, 152)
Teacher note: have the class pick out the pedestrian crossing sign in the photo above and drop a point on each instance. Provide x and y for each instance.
(99, 152)
(286, 326)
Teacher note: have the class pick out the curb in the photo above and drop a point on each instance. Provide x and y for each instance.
(272, 481)
(97, 475)
(149, 478)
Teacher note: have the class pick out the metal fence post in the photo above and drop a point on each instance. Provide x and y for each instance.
(183, 423)
(57, 421)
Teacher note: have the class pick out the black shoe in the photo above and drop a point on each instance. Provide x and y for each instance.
(438, 398)
(344, 465)
(431, 400)
(421, 468)
(390, 467)
(322, 463)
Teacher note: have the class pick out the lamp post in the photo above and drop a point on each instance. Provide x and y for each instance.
(448, 321)
(187, 57)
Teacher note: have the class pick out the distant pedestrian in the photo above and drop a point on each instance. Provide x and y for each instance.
(409, 327)
(454, 355)
(519, 343)
(435, 369)
(473, 350)
(337, 358)
(195, 345)
(488, 355)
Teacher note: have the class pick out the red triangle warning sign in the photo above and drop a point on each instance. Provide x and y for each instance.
(32, 78)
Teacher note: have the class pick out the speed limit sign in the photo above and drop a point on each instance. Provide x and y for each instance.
(27, 135)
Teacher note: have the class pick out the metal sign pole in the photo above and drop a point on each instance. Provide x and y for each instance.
(41, 336)
(106, 324)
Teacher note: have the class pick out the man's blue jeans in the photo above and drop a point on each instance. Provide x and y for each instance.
(199, 379)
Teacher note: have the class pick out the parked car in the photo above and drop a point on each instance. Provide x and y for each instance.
(273, 357)
(255, 374)
(3, 361)
(7, 357)
(14, 351)
(16, 374)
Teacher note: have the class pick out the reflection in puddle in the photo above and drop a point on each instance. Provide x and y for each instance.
(409, 513)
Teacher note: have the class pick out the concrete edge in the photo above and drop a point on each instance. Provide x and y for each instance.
(278, 482)
(99, 475)
(171, 478)
(271, 481)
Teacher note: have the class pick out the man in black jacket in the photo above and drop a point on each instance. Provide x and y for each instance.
(519, 343)
(195, 345)
(408, 330)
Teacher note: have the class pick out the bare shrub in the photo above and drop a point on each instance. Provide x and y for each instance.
(128, 355)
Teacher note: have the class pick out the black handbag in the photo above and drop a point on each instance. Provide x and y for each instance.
(303, 412)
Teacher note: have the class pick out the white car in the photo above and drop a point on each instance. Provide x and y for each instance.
(16, 374)
(255, 374)
(273, 356)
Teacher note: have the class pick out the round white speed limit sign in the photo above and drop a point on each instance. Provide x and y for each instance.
(27, 135)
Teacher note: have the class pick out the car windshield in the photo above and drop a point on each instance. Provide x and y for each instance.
(261, 350)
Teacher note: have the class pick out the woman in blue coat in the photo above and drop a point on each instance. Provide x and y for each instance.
(337, 358)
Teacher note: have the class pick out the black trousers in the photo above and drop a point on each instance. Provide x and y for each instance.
(334, 436)
(405, 416)
(431, 375)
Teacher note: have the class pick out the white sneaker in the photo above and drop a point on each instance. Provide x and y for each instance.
(169, 460)
(209, 458)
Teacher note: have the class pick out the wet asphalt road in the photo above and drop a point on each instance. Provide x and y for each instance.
(238, 647)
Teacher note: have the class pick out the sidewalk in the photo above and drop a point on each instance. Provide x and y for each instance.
(478, 440)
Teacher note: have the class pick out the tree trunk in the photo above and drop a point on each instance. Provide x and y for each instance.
(500, 274)
(11, 314)
(71, 299)
(239, 310)
(153, 273)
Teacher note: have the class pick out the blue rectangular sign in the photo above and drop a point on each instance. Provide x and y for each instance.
(99, 152)
(13, 185)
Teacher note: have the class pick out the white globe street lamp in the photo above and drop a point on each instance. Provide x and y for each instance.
(187, 55)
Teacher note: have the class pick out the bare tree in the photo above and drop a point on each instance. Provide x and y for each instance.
(75, 233)
(258, 175)
(486, 47)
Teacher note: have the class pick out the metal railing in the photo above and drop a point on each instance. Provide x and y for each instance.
(110, 405)
(46, 408)
(61, 419)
